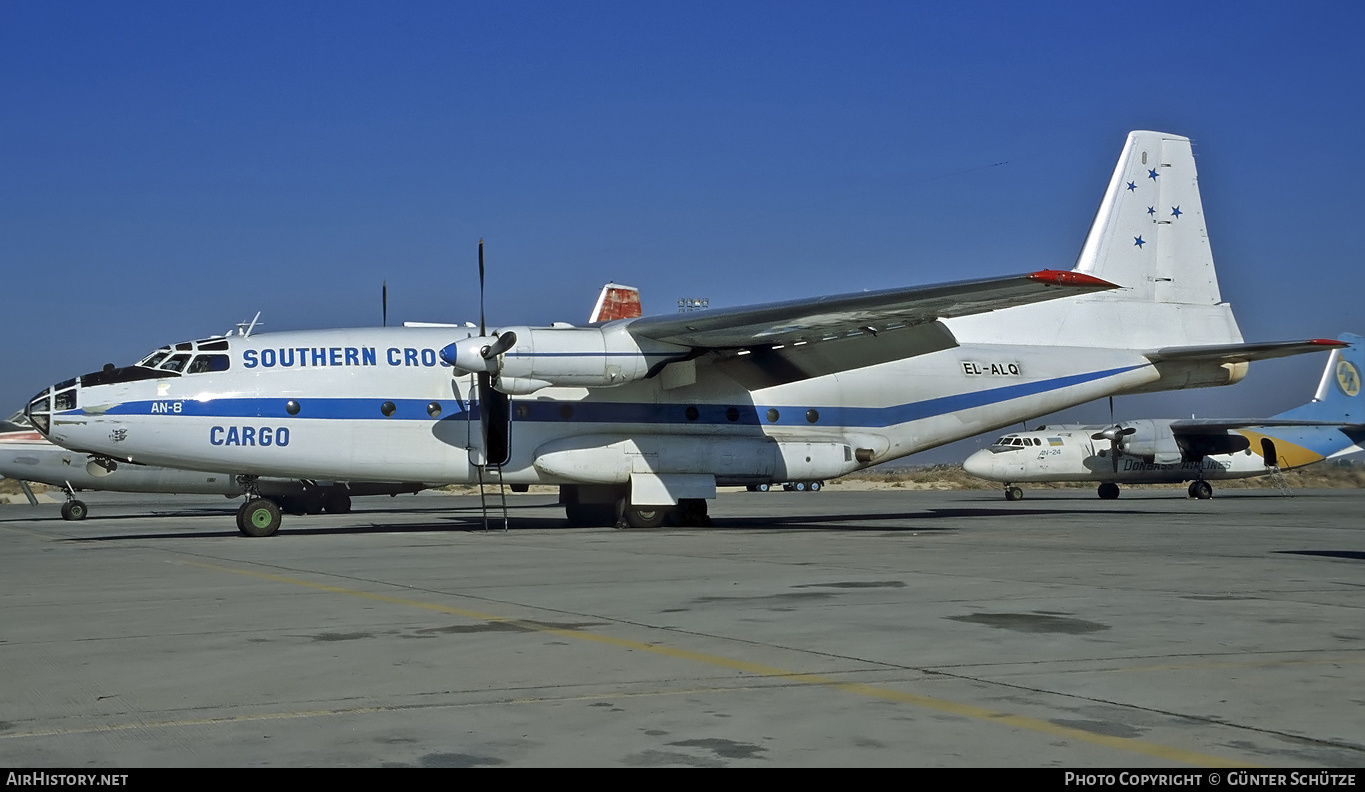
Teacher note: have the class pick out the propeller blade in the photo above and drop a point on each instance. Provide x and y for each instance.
(1114, 434)
(483, 330)
(504, 343)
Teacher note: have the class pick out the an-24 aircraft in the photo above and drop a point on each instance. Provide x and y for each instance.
(1197, 450)
(639, 420)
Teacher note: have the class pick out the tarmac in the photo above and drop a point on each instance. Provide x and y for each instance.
(838, 629)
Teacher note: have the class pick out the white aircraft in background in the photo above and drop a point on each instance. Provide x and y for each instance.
(1172, 451)
(638, 420)
(26, 456)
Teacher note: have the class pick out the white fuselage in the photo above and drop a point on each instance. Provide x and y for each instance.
(1071, 454)
(377, 404)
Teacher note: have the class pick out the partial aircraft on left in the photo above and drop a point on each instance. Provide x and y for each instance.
(26, 456)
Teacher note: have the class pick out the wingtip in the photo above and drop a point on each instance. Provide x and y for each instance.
(1328, 342)
(1070, 278)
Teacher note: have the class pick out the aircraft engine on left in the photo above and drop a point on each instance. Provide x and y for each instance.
(524, 359)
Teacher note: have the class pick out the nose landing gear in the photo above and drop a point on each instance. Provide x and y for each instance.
(259, 517)
(73, 509)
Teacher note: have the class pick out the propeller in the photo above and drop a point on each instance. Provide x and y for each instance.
(1114, 434)
(477, 354)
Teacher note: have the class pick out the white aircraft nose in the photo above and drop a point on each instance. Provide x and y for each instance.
(980, 464)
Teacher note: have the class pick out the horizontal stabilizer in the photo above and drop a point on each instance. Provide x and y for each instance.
(1242, 353)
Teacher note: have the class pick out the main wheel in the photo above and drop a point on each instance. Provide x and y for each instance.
(336, 503)
(800, 486)
(816, 486)
(74, 510)
(764, 487)
(1108, 490)
(590, 515)
(1013, 494)
(691, 513)
(645, 517)
(1201, 489)
(259, 517)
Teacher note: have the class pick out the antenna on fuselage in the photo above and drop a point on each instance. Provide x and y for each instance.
(384, 299)
(244, 328)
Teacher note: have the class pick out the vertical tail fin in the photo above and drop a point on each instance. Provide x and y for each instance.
(1149, 233)
(1339, 396)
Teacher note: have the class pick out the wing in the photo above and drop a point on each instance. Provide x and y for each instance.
(861, 313)
(1241, 353)
(1196, 426)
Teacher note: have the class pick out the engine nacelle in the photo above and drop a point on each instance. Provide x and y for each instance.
(611, 459)
(574, 357)
(1152, 441)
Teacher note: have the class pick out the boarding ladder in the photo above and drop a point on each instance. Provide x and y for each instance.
(483, 495)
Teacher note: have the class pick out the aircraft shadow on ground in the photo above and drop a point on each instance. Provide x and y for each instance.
(1353, 555)
(469, 519)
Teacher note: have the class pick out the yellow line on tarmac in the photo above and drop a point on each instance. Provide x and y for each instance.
(1164, 752)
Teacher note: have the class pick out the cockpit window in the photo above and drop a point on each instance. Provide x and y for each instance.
(66, 400)
(156, 357)
(186, 346)
(203, 363)
(176, 363)
(212, 345)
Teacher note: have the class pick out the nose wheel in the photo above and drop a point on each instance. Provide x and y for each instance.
(1201, 490)
(259, 517)
(74, 510)
(1013, 494)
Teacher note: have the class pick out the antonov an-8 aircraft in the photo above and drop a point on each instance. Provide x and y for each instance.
(639, 420)
(1172, 451)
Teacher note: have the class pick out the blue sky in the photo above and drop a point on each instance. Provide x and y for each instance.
(170, 169)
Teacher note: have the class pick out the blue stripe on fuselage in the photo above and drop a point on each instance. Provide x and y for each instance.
(607, 412)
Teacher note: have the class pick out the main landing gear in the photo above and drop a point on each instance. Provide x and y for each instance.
(689, 513)
(1108, 491)
(590, 507)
